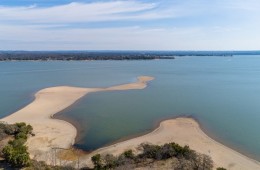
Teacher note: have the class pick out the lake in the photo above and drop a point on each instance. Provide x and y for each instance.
(222, 93)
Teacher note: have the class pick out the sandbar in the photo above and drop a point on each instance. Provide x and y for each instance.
(53, 133)
(185, 131)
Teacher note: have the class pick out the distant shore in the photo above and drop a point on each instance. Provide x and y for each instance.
(53, 133)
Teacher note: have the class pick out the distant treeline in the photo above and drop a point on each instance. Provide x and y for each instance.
(112, 55)
(67, 56)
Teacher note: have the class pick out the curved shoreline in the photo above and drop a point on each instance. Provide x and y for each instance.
(184, 131)
(49, 132)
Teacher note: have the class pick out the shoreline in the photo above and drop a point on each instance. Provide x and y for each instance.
(49, 132)
(225, 142)
(52, 132)
(184, 131)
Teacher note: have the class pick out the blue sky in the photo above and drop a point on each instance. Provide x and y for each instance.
(129, 25)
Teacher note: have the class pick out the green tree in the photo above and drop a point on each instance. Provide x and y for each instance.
(16, 152)
(96, 159)
(16, 156)
(23, 128)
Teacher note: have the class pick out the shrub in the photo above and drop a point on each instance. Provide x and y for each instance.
(17, 156)
(122, 160)
(221, 168)
(6, 129)
(110, 161)
(96, 159)
(16, 152)
(151, 151)
(129, 154)
(167, 151)
(23, 128)
(202, 161)
(17, 142)
(21, 135)
(184, 157)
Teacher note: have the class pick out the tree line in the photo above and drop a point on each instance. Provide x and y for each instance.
(67, 56)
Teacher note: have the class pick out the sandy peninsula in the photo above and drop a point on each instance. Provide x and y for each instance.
(185, 131)
(51, 133)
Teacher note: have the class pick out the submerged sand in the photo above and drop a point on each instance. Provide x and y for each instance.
(51, 133)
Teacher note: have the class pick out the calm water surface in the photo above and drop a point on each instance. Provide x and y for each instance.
(223, 93)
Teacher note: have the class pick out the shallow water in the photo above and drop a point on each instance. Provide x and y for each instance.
(223, 93)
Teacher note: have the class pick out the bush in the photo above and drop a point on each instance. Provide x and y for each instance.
(17, 156)
(129, 154)
(151, 151)
(21, 135)
(17, 142)
(221, 168)
(110, 161)
(122, 160)
(202, 161)
(96, 159)
(16, 152)
(23, 128)
(6, 130)
(184, 157)
(165, 152)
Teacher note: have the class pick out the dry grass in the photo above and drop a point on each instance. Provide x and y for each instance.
(69, 154)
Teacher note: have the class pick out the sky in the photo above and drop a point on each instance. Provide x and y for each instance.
(129, 25)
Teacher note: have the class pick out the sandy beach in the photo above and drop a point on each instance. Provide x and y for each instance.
(51, 133)
(185, 131)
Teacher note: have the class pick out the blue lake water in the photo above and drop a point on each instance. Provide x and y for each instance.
(222, 93)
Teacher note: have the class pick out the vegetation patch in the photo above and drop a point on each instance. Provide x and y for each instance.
(182, 158)
(15, 152)
(167, 156)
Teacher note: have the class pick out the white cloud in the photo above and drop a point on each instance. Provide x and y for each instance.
(131, 38)
(81, 12)
(59, 27)
(127, 38)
